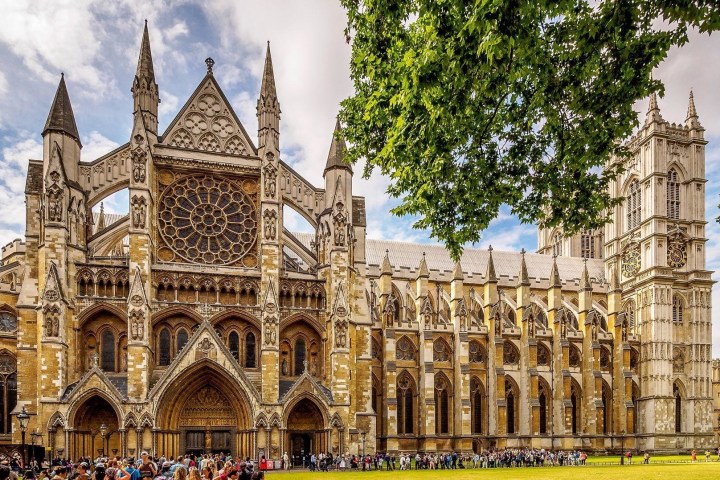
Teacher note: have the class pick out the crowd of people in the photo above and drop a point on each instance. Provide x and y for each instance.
(519, 457)
(187, 467)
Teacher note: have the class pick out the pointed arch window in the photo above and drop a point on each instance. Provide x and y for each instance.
(442, 405)
(406, 405)
(574, 408)
(678, 408)
(677, 309)
(607, 408)
(300, 355)
(557, 244)
(587, 244)
(234, 344)
(673, 195)
(108, 351)
(8, 391)
(511, 399)
(476, 405)
(164, 347)
(634, 205)
(182, 338)
(250, 350)
(544, 398)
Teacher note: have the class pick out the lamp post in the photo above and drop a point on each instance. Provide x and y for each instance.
(23, 419)
(622, 448)
(103, 432)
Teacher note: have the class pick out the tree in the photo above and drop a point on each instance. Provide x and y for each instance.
(469, 105)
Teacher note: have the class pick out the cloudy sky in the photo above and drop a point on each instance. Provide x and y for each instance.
(95, 43)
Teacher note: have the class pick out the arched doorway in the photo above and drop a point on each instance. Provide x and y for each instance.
(306, 432)
(87, 436)
(205, 410)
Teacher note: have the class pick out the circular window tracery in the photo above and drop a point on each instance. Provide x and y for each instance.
(207, 219)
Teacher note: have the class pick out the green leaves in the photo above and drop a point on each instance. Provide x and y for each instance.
(469, 105)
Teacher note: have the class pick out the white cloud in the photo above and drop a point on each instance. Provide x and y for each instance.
(3, 84)
(50, 37)
(95, 145)
(13, 171)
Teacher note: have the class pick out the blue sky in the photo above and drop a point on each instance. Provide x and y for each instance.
(95, 43)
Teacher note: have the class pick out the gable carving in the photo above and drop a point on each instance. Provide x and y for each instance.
(208, 123)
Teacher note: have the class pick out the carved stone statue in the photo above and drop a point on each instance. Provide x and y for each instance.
(270, 184)
(138, 211)
(138, 165)
(284, 366)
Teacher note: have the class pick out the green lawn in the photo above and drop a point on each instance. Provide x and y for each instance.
(696, 471)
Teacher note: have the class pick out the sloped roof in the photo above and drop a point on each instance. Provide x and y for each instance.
(61, 117)
(406, 256)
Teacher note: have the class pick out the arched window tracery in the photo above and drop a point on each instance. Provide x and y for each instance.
(8, 390)
(406, 404)
(673, 194)
(677, 309)
(107, 349)
(164, 347)
(442, 405)
(300, 356)
(250, 353)
(476, 405)
(633, 205)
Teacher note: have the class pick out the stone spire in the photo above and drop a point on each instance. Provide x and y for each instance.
(423, 271)
(524, 278)
(386, 266)
(336, 155)
(555, 275)
(490, 275)
(653, 113)
(585, 283)
(267, 88)
(145, 90)
(145, 67)
(101, 218)
(268, 109)
(457, 271)
(61, 118)
(692, 117)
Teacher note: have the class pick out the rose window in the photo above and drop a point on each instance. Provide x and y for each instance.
(631, 261)
(207, 219)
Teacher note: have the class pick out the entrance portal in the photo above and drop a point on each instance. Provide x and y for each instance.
(86, 439)
(205, 411)
(306, 432)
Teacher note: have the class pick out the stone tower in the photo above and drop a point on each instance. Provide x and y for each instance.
(655, 253)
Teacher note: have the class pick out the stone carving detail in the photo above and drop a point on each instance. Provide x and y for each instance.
(139, 165)
(511, 356)
(543, 355)
(137, 324)
(405, 349)
(341, 326)
(205, 349)
(676, 250)
(270, 177)
(476, 353)
(678, 360)
(462, 314)
(631, 260)
(270, 226)
(574, 356)
(340, 224)
(52, 320)
(427, 314)
(139, 207)
(271, 330)
(55, 197)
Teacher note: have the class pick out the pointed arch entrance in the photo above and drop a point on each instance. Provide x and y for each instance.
(205, 410)
(306, 431)
(87, 438)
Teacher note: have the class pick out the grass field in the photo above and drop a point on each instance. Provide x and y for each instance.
(694, 471)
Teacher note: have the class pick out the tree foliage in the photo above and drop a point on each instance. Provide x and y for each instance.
(468, 105)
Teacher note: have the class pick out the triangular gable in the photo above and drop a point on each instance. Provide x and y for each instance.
(270, 303)
(340, 306)
(94, 379)
(208, 123)
(307, 384)
(137, 297)
(204, 344)
(53, 289)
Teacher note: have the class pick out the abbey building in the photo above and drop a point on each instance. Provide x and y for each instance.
(197, 322)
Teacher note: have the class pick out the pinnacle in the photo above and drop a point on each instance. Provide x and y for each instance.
(457, 272)
(336, 155)
(101, 218)
(490, 274)
(423, 271)
(585, 283)
(692, 116)
(267, 88)
(555, 275)
(61, 117)
(653, 113)
(524, 279)
(145, 63)
(387, 266)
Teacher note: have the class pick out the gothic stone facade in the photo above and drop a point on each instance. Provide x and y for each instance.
(197, 322)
